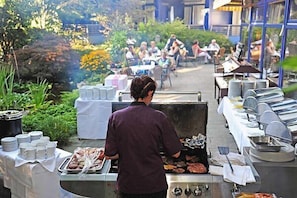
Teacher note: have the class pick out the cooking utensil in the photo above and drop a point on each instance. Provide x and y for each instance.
(224, 150)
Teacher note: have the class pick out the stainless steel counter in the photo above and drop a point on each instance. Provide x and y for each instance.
(276, 177)
(103, 185)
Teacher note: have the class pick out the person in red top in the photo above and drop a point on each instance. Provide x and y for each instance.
(198, 52)
(134, 137)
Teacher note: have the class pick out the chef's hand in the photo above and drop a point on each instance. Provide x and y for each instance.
(176, 155)
(116, 156)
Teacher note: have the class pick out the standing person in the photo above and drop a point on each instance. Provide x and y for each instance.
(198, 52)
(170, 42)
(134, 137)
(174, 53)
(268, 53)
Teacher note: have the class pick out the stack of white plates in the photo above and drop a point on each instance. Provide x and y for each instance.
(9, 144)
(35, 135)
(21, 138)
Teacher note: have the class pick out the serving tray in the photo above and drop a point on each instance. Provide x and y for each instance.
(86, 163)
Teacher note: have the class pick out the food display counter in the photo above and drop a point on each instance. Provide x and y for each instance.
(238, 124)
(276, 177)
(189, 119)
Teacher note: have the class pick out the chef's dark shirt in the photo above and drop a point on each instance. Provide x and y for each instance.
(136, 133)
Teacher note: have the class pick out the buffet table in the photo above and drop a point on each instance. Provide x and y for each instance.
(31, 180)
(92, 118)
(239, 126)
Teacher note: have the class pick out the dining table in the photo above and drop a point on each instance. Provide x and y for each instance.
(142, 69)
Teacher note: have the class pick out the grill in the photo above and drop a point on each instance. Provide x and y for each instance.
(189, 119)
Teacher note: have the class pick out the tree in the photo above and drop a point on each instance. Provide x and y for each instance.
(49, 58)
(13, 32)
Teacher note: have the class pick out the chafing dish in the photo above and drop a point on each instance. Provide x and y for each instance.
(266, 143)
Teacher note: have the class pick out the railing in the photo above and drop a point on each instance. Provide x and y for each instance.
(227, 29)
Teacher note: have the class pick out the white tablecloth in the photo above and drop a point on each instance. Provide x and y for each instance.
(119, 81)
(31, 180)
(146, 68)
(92, 118)
(239, 126)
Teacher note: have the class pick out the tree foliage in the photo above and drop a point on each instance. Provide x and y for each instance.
(13, 32)
(48, 58)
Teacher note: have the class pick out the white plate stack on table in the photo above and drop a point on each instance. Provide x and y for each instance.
(32, 146)
(119, 81)
(9, 144)
(23, 138)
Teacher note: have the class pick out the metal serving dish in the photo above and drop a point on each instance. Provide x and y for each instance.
(90, 163)
(266, 143)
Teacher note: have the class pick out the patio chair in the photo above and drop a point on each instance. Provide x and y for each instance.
(160, 75)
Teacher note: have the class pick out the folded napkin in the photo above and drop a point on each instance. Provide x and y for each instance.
(49, 163)
(241, 174)
(220, 160)
(215, 170)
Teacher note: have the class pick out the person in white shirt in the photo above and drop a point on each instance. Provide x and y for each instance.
(131, 56)
(153, 50)
(170, 42)
(214, 45)
(143, 53)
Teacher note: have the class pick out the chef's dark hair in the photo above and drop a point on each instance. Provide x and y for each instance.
(140, 86)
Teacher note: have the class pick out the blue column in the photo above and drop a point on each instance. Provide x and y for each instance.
(263, 46)
(206, 16)
(283, 44)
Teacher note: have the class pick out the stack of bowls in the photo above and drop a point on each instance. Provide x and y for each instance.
(9, 144)
(246, 85)
(23, 138)
(261, 83)
(234, 88)
(35, 135)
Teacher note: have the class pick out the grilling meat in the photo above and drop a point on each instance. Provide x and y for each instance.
(192, 158)
(196, 168)
(169, 167)
(178, 170)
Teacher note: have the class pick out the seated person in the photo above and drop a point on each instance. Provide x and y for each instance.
(143, 53)
(174, 53)
(198, 52)
(164, 61)
(131, 57)
(214, 45)
(153, 50)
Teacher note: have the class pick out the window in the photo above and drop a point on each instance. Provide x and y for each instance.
(245, 16)
(194, 15)
(293, 10)
(276, 13)
(258, 14)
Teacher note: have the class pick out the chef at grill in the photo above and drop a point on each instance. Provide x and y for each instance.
(134, 137)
